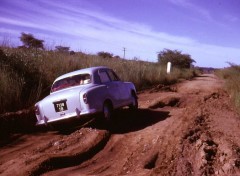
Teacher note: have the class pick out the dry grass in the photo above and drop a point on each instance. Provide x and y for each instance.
(28, 74)
(231, 76)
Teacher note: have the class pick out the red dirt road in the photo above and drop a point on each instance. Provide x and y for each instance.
(187, 129)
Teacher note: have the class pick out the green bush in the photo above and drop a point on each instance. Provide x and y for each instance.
(177, 58)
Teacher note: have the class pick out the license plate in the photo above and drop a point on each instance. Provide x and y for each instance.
(60, 106)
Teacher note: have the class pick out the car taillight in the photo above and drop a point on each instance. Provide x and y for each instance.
(37, 112)
(85, 98)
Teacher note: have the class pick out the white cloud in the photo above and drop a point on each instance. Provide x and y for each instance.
(231, 18)
(9, 31)
(193, 7)
(93, 31)
(20, 23)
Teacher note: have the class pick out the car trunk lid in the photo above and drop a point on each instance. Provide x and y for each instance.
(61, 104)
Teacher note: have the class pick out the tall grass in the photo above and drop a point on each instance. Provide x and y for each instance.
(27, 75)
(10, 89)
(231, 76)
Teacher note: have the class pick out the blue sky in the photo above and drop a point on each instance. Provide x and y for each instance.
(208, 30)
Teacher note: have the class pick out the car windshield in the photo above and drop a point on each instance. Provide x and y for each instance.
(75, 80)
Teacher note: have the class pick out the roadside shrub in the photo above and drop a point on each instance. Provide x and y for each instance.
(105, 54)
(10, 90)
(177, 58)
(231, 76)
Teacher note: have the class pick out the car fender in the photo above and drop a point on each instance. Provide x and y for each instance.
(130, 87)
(96, 96)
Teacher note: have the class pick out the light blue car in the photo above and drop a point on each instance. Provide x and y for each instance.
(85, 92)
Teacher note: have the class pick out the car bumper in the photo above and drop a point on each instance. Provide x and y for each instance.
(46, 120)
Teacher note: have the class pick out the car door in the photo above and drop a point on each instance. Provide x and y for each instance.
(112, 87)
(122, 89)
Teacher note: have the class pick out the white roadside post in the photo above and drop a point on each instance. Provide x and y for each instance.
(169, 64)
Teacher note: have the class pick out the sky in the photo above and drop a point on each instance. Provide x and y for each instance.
(207, 30)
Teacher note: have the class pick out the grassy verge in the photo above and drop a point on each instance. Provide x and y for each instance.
(231, 76)
(26, 75)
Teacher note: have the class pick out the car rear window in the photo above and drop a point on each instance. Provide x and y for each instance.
(76, 80)
(113, 75)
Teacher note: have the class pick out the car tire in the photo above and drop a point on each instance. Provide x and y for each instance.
(107, 111)
(134, 104)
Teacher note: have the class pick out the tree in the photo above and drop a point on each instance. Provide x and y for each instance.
(29, 41)
(175, 57)
(105, 54)
(72, 52)
(62, 48)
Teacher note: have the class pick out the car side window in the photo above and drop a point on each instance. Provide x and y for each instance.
(113, 76)
(104, 77)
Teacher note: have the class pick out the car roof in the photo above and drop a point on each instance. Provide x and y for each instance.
(81, 71)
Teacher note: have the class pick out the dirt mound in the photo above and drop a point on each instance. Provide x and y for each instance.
(20, 121)
(170, 100)
(57, 153)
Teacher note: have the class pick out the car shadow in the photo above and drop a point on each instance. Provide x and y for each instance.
(125, 121)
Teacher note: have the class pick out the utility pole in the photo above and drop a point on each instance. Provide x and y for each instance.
(124, 50)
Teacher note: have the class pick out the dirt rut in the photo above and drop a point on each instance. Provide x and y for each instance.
(190, 129)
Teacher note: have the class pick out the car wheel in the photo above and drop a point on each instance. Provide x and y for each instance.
(107, 111)
(134, 105)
